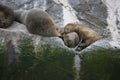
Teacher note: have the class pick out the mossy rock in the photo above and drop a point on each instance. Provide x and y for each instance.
(3, 60)
(51, 62)
(100, 64)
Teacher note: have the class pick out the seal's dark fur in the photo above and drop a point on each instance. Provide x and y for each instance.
(6, 16)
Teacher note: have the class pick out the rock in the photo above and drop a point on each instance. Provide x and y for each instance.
(18, 31)
(35, 61)
(99, 62)
(100, 44)
(92, 13)
(55, 11)
(14, 32)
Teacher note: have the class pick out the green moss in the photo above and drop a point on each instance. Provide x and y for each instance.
(101, 64)
(49, 62)
(3, 61)
(55, 62)
(26, 54)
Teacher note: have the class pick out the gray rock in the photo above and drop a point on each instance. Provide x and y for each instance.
(101, 44)
(55, 11)
(92, 13)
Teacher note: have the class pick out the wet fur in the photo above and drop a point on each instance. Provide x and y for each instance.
(6, 16)
(71, 39)
(37, 22)
(87, 35)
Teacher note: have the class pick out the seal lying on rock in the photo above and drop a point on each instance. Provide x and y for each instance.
(37, 22)
(71, 39)
(87, 35)
(6, 16)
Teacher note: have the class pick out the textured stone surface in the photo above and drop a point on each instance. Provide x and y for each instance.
(99, 45)
(92, 13)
